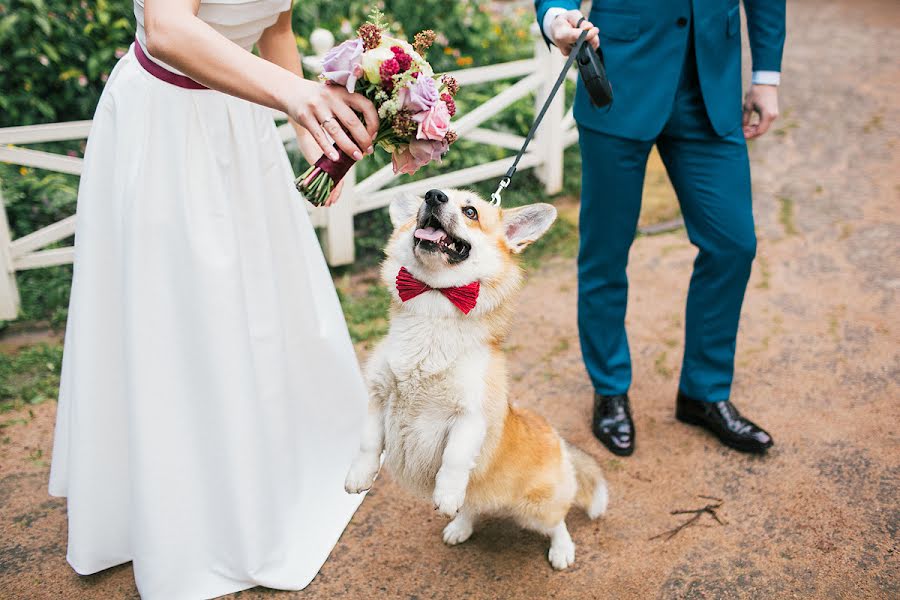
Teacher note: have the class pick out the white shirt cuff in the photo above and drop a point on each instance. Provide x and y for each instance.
(764, 77)
(551, 14)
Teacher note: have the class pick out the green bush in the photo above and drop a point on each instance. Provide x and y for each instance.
(470, 32)
(57, 55)
(35, 199)
(29, 376)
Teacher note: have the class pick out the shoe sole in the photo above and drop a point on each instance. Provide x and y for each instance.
(613, 449)
(749, 449)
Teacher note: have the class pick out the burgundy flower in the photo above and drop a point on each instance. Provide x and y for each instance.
(403, 59)
(388, 69)
(451, 105)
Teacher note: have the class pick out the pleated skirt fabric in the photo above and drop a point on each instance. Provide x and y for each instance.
(211, 401)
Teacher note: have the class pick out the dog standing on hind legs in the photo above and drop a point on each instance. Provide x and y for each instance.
(438, 406)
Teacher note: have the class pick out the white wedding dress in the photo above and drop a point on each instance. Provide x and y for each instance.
(211, 401)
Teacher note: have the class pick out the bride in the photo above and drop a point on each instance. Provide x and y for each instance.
(211, 401)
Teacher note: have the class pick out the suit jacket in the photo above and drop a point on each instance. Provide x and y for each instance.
(644, 44)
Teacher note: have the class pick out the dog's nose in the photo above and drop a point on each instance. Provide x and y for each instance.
(435, 197)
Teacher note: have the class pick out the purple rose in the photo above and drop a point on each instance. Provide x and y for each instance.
(420, 95)
(341, 64)
(425, 151)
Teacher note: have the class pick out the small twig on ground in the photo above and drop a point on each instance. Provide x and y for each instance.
(709, 509)
(711, 498)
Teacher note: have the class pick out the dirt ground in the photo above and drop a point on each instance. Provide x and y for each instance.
(818, 365)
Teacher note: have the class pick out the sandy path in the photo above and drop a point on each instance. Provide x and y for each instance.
(818, 365)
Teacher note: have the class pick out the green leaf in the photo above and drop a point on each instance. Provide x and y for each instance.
(44, 25)
(50, 51)
(7, 25)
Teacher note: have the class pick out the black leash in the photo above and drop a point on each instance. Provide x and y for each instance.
(504, 182)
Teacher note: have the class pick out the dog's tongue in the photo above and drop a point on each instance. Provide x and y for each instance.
(431, 234)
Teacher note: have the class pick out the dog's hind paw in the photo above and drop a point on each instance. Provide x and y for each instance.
(562, 554)
(458, 530)
(599, 502)
(362, 475)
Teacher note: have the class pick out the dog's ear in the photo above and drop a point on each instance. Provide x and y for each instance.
(403, 208)
(526, 224)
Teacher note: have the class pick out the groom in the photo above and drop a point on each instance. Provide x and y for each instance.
(675, 66)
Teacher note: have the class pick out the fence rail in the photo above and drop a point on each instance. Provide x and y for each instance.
(535, 76)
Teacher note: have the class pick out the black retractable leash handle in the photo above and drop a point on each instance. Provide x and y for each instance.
(593, 74)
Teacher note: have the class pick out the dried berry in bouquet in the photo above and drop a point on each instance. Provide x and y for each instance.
(414, 105)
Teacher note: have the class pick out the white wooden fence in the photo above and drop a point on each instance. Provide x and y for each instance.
(534, 76)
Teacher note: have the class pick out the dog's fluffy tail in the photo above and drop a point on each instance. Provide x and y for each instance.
(592, 495)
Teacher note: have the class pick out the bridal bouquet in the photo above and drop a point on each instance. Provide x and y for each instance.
(414, 105)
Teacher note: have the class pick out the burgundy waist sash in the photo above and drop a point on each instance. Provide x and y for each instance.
(162, 73)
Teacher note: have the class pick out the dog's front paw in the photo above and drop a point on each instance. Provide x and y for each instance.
(562, 554)
(458, 530)
(362, 474)
(449, 499)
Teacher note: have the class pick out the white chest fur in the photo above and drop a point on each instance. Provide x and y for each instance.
(436, 368)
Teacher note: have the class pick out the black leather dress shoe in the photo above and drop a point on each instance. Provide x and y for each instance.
(612, 423)
(724, 421)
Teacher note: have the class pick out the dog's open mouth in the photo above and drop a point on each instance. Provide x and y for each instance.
(431, 236)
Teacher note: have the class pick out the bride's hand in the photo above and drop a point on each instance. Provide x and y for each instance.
(322, 108)
(312, 153)
(335, 194)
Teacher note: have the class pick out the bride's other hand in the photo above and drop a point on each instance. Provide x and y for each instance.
(329, 110)
(335, 194)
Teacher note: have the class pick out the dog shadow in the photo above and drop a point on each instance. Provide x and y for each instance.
(503, 539)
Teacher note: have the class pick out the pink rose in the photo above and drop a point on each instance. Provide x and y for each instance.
(436, 123)
(425, 151)
(404, 161)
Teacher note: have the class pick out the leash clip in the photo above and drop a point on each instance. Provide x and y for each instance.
(495, 197)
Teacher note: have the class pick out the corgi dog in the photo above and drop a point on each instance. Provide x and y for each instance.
(438, 406)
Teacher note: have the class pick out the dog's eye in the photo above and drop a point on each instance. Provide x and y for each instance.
(471, 213)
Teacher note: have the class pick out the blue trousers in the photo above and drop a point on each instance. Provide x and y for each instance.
(711, 176)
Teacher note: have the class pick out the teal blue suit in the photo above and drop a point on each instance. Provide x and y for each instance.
(675, 68)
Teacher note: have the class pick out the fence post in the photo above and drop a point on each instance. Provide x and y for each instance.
(339, 243)
(550, 139)
(9, 293)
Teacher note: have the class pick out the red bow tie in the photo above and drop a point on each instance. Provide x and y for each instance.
(463, 297)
